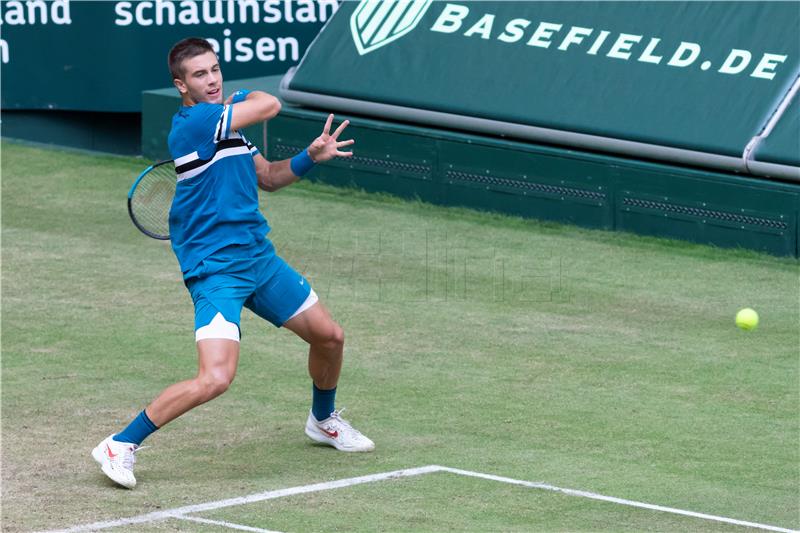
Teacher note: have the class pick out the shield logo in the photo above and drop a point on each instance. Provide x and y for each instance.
(378, 22)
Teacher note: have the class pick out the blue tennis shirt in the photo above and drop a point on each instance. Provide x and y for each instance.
(216, 197)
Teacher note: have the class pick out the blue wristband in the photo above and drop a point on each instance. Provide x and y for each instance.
(240, 96)
(301, 163)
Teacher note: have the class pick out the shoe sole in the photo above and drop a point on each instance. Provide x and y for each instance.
(323, 439)
(99, 456)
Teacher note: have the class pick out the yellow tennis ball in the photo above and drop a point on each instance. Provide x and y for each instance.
(747, 319)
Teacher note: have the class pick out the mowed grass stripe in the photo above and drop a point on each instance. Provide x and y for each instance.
(488, 343)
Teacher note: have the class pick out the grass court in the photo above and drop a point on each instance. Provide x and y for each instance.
(548, 354)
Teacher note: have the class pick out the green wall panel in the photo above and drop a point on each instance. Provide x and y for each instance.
(713, 209)
(157, 111)
(526, 183)
(103, 132)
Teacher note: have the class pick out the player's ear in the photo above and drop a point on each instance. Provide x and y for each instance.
(182, 88)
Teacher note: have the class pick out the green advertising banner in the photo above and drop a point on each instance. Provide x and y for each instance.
(699, 77)
(100, 56)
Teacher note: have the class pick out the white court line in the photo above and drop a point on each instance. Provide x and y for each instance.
(179, 512)
(229, 525)
(261, 496)
(621, 501)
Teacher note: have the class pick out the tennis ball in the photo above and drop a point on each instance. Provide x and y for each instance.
(747, 319)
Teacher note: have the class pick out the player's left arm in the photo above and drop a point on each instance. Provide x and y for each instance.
(277, 174)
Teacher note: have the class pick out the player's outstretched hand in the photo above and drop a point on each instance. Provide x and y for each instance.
(326, 146)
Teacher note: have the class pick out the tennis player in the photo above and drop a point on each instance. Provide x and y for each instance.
(219, 237)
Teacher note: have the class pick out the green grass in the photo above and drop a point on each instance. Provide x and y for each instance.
(584, 359)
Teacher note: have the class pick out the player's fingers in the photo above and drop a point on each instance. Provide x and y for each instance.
(343, 154)
(328, 124)
(340, 129)
(342, 144)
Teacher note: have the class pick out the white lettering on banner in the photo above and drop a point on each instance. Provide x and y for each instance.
(766, 67)
(647, 56)
(288, 48)
(217, 12)
(264, 49)
(454, 16)
(575, 36)
(305, 13)
(449, 20)
(164, 7)
(273, 13)
(483, 27)
(248, 7)
(601, 38)
(189, 13)
(731, 67)
(59, 12)
(544, 31)
(37, 6)
(621, 48)
(243, 47)
(15, 12)
(208, 18)
(124, 18)
(678, 59)
(515, 30)
(140, 7)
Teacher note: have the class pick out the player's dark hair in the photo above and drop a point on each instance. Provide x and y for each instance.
(183, 50)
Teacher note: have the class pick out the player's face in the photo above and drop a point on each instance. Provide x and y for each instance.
(202, 79)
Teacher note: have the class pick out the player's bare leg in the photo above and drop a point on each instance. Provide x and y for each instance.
(217, 361)
(326, 344)
(326, 347)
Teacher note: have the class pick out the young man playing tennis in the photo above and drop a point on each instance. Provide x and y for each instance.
(219, 237)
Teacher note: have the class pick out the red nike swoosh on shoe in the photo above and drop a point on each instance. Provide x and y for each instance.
(331, 434)
(111, 454)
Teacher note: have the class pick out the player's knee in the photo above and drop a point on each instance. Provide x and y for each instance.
(338, 335)
(333, 338)
(213, 384)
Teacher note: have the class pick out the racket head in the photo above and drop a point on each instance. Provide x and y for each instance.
(150, 199)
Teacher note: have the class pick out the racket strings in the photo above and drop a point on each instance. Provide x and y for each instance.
(152, 199)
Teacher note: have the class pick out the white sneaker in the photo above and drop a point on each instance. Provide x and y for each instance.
(337, 432)
(116, 460)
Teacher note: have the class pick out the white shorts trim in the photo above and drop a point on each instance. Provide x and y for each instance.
(311, 300)
(218, 328)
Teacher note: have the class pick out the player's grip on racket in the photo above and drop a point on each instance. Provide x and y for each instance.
(150, 199)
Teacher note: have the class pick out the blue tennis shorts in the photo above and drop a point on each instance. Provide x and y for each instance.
(253, 276)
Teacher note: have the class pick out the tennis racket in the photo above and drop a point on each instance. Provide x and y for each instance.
(150, 199)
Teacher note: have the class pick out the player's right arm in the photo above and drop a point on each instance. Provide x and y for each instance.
(257, 107)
